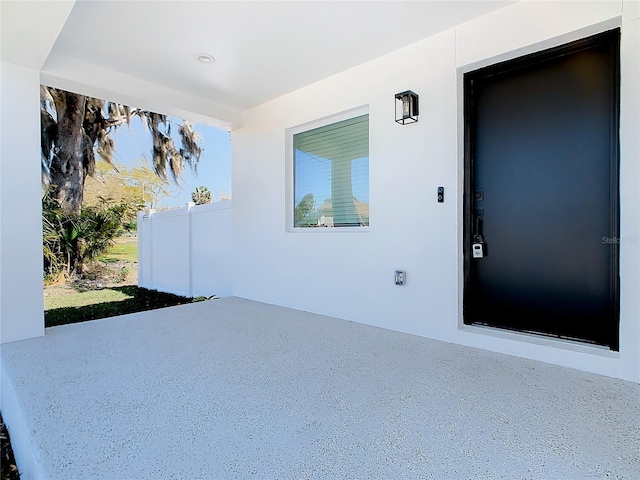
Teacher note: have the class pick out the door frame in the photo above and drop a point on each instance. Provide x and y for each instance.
(531, 61)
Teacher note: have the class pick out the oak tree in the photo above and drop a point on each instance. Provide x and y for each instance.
(76, 130)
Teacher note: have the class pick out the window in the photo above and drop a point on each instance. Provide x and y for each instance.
(331, 175)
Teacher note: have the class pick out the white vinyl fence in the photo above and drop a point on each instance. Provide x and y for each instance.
(187, 251)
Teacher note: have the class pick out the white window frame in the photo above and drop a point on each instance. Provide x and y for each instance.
(289, 170)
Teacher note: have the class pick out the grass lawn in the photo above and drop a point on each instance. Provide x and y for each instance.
(125, 249)
(111, 295)
(106, 302)
(82, 299)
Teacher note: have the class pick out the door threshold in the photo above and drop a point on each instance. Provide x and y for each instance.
(541, 340)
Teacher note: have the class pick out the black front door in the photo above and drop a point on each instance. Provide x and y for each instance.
(541, 192)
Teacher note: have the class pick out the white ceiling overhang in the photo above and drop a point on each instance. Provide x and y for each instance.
(143, 52)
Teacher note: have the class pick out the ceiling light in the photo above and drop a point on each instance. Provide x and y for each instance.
(205, 58)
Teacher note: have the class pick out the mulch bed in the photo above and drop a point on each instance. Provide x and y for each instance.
(8, 469)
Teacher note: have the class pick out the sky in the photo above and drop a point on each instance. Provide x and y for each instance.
(133, 145)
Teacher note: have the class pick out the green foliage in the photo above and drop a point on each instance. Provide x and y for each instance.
(130, 227)
(121, 275)
(202, 298)
(304, 213)
(55, 235)
(70, 240)
(201, 195)
(136, 184)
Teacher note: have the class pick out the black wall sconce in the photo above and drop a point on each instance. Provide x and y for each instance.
(407, 107)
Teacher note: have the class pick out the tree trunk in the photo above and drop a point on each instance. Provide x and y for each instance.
(67, 169)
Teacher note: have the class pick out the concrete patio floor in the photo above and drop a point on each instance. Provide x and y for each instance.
(235, 389)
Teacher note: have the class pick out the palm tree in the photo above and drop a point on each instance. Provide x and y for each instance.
(201, 195)
(76, 127)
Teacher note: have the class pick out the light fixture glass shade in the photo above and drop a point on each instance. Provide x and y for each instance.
(407, 107)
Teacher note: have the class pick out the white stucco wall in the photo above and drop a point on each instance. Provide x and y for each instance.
(21, 300)
(630, 185)
(350, 275)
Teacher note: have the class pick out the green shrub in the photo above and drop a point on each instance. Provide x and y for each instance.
(70, 240)
(121, 274)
